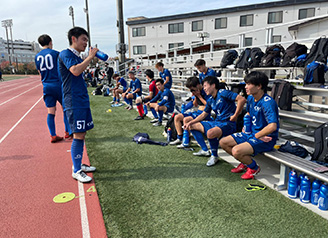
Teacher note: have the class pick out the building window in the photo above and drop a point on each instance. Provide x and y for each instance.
(276, 39)
(197, 25)
(139, 31)
(220, 42)
(248, 41)
(246, 20)
(220, 23)
(176, 28)
(139, 49)
(175, 45)
(305, 13)
(275, 17)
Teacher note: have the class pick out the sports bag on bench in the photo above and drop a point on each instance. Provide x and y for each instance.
(320, 153)
(282, 93)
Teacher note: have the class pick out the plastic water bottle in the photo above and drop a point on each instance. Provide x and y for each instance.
(185, 138)
(247, 124)
(183, 106)
(323, 197)
(300, 178)
(101, 55)
(315, 191)
(305, 192)
(145, 110)
(292, 184)
(169, 134)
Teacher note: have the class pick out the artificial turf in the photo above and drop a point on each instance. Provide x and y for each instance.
(156, 191)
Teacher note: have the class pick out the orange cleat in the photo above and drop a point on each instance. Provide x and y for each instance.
(68, 136)
(55, 139)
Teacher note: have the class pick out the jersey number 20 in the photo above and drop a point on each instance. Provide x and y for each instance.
(46, 62)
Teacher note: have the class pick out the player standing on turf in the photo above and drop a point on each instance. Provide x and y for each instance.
(46, 64)
(76, 97)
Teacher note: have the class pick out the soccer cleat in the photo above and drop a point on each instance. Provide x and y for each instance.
(127, 107)
(119, 105)
(202, 153)
(159, 123)
(81, 176)
(176, 142)
(87, 168)
(212, 161)
(55, 139)
(139, 118)
(250, 173)
(181, 146)
(112, 102)
(68, 136)
(130, 108)
(154, 120)
(239, 169)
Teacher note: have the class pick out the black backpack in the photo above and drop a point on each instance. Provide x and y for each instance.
(239, 89)
(291, 54)
(255, 57)
(170, 124)
(282, 93)
(314, 74)
(242, 62)
(272, 56)
(228, 58)
(320, 153)
(318, 51)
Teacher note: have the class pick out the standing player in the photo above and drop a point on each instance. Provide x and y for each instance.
(263, 111)
(76, 97)
(164, 74)
(200, 64)
(134, 91)
(46, 63)
(117, 90)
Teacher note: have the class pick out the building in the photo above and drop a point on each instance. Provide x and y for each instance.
(238, 26)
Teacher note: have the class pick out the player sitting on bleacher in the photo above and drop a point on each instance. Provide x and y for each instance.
(263, 134)
(121, 87)
(134, 91)
(164, 74)
(200, 64)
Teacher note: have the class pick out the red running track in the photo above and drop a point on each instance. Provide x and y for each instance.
(34, 171)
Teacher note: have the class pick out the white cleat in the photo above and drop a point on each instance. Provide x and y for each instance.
(81, 176)
(176, 142)
(212, 161)
(202, 153)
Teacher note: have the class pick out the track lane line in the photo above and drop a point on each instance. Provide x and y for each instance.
(84, 213)
(17, 87)
(18, 95)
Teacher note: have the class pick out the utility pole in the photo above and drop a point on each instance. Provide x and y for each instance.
(6, 24)
(71, 13)
(121, 49)
(12, 46)
(86, 10)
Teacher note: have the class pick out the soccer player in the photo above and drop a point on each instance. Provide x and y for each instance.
(263, 111)
(134, 91)
(222, 102)
(117, 90)
(152, 93)
(164, 74)
(76, 98)
(46, 63)
(166, 104)
(200, 97)
(200, 64)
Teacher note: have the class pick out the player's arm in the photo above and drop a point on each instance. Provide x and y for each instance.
(78, 69)
(150, 95)
(167, 79)
(200, 118)
(200, 97)
(262, 134)
(155, 99)
(240, 105)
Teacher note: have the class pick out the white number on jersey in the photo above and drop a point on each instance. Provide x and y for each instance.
(47, 62)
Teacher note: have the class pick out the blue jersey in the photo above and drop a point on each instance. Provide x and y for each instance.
(134, 85)
(204, 95)
(209, 72)
(74, 88)
(166, 98)
(223, 105)
(46, 63)
(166, 73)
(123, 83)
(263, 112)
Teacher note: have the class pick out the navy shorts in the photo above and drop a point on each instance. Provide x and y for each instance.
(227, 127)
(52, 94)
(80, 120)
(259, 146)
(196, 114)
(135, 95)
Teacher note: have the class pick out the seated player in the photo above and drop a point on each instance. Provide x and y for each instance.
(134, 91)
(164, 74)
(263, 111)
(142, 110)
(166, 104)
(199, 100)
(222, 102)
(120, 88)
(200, 64)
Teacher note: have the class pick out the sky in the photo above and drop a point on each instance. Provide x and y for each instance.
(33, 18)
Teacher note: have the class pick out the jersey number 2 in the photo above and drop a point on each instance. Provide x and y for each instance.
(46, 62)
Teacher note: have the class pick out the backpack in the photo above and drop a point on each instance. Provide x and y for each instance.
(98, 90)
(170, 124)
(239, 89)
(314, 73)
(272, 56)
(291, 54)
(294, 148)
(255, 57)
(318, 51)
(320, 153)
(228, 58)
(282, 93)
(300, 61)
(242, 62)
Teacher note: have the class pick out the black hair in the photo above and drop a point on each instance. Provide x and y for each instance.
(149, 73)
(44, 40)
(115, 75)
(200, 62)
(132, 72)
(192, 82)
(257, 78)
(76, 32)
(213, 80)
(159, 80)
(159, 64)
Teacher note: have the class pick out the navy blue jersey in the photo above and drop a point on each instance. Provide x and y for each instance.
(134, 85)
(74, 88)
(263, 112)
(166, 98)
(209, 72)
(123, 82)
(223, 105)
(166, 73)
(46, 62)
(204, 95)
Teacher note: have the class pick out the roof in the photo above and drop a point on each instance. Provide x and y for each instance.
(309, 22)
(222, 11)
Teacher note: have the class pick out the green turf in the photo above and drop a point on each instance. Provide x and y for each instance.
(8, 77)
(155, 191)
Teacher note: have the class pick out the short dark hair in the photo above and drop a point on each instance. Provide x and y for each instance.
(132, 72)
(44, 40)
(212, 80)
(192, 82)
(257, 78)
(159, 64)
(200, 62)
(76, 32)
(149, 73)
(115, 75)
(159, 80)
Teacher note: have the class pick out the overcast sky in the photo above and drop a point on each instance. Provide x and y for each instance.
(32, 18)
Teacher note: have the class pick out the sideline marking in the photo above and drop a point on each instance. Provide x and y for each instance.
(17, 87)
(18, 95)
(4, 137)
(84, 214)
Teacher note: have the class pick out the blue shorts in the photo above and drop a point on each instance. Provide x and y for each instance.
(169, 109)
(135, 95)
(52, 94)
(258, 145)
(80, 120)
(196, 114)
(226, 127)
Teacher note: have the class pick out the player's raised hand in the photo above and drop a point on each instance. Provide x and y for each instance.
(92, 52)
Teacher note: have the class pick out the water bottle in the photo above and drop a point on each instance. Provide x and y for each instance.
(185, 138)
(292, 184)
(169, 134)
(247, 124)
(315, 191)
(101, 55)
(183, 106)
(305, 192)
(145, 109)
(300, 178)
(323, 197)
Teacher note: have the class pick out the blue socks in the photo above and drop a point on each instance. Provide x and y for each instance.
(253, 165)
(214, 144)
(114, 99)
(77, 153)
(200, 139)
(145, 109)
(130, 101)
(160, 116)
(153, 111)
(51, 124)
(180, 137)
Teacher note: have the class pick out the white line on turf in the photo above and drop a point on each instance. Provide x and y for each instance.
(84, 213)
(19, 95)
